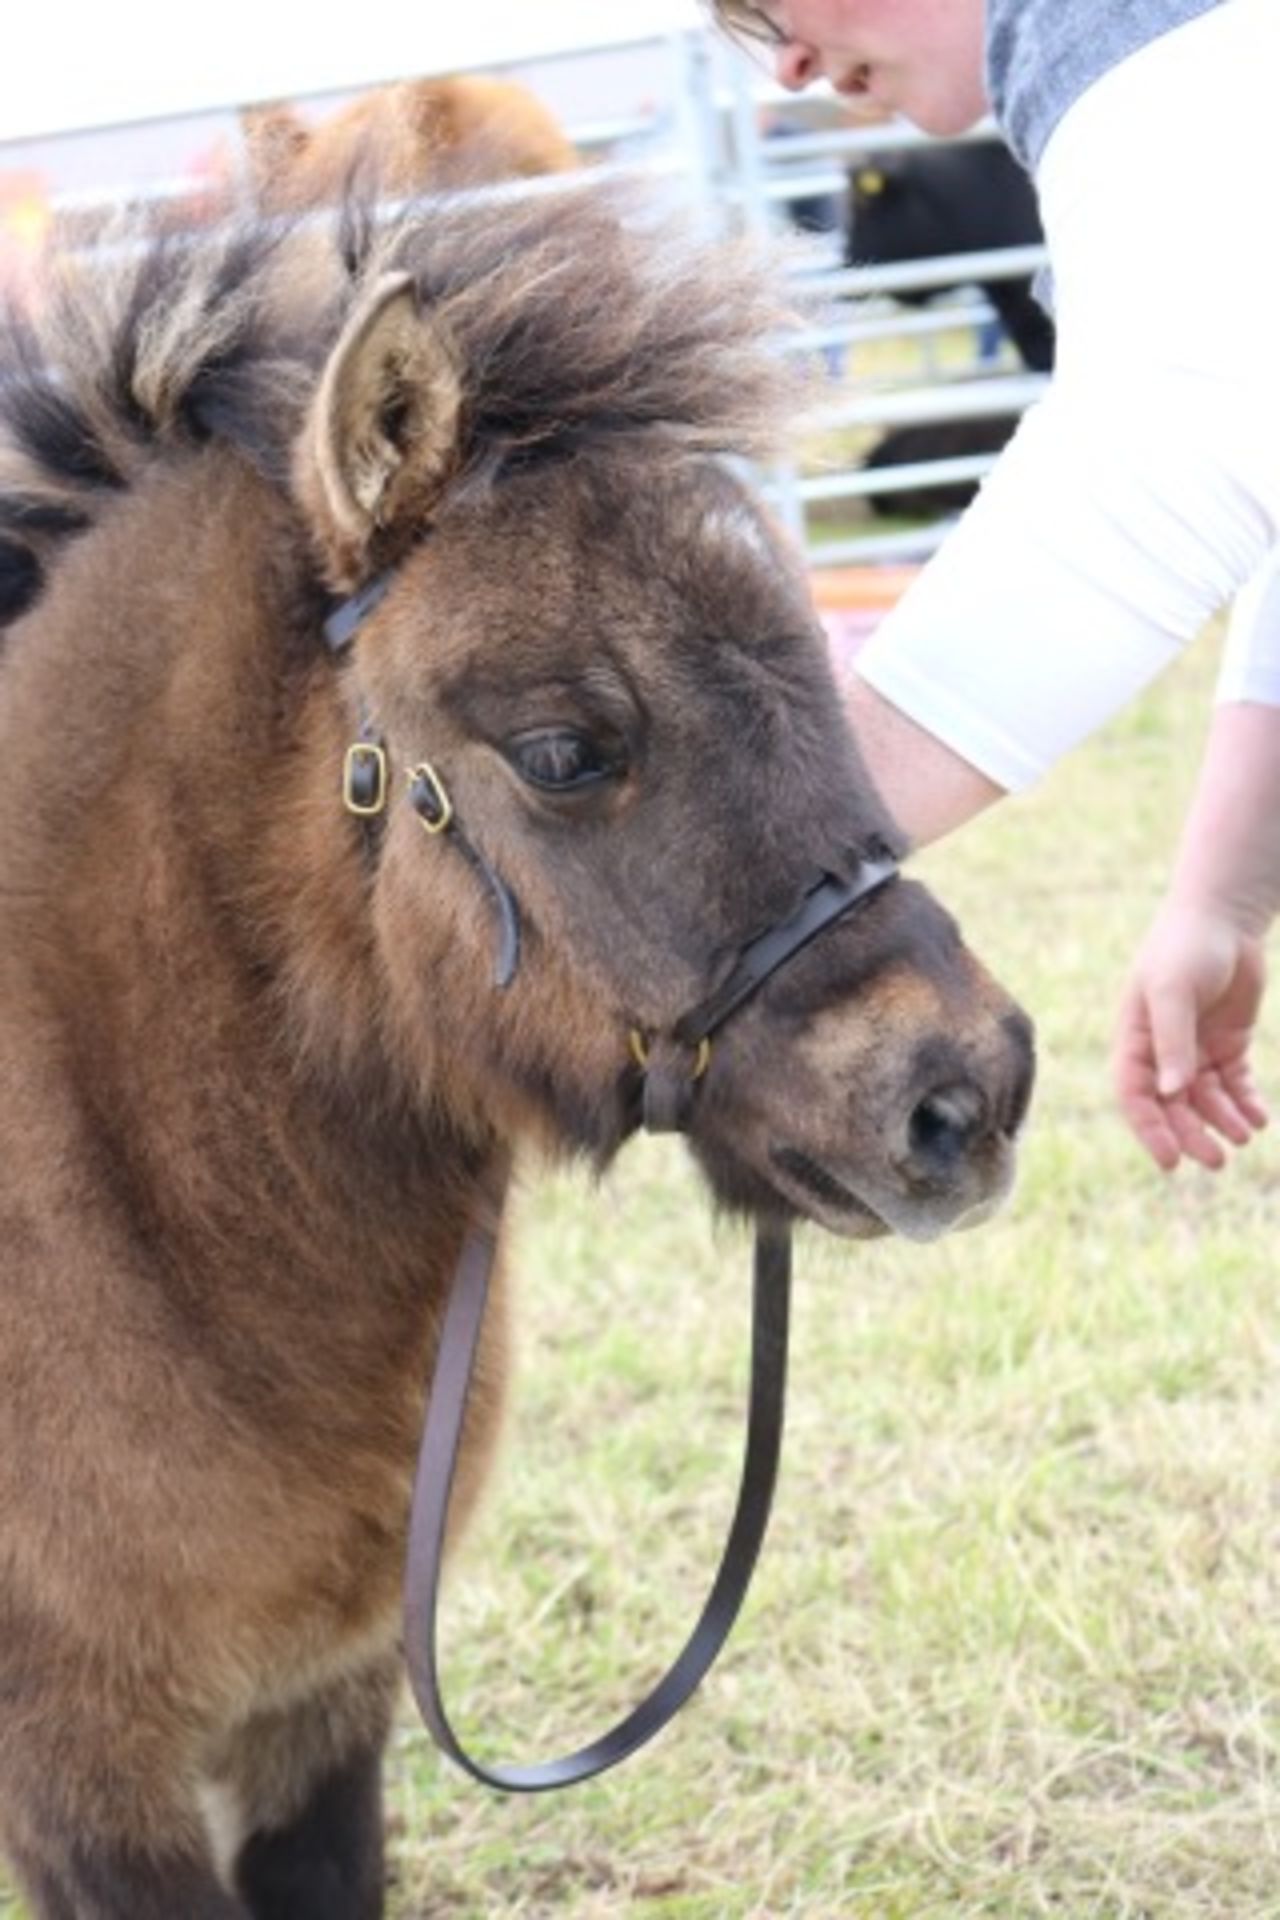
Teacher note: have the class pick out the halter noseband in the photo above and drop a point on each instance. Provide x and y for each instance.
(668, 1090)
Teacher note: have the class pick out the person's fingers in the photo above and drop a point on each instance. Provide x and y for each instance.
(1217, 1105)
(1242, 1088)
(1180, 1057)
(1193, 1136)
(1149, 1123)
(1171, 1014)
(1133, 1080)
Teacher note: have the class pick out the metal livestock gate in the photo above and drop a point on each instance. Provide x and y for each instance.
(704, 125)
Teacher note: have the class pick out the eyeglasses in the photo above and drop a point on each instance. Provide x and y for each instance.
(752, 23)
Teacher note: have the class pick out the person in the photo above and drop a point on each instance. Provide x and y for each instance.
(1138, 498)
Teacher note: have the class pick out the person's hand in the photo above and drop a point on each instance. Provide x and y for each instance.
(1181, 1056)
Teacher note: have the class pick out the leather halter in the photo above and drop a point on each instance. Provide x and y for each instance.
(365, 785)
(668, 1093)
(670, 1084)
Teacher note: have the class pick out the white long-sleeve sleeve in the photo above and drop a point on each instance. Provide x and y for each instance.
(1144, 491)
(1251, 657)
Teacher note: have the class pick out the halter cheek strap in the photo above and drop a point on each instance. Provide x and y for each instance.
(431, 803)
(366, 786)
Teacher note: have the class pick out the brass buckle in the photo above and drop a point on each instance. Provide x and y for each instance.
(364, 778)
(428, 797)
(639, 1047)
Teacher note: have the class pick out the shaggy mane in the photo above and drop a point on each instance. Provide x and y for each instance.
(578, 318)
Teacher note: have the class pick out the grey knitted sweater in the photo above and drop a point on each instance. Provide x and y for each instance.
(1043, 54)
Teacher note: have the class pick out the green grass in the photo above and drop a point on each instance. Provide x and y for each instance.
(1014, 1648)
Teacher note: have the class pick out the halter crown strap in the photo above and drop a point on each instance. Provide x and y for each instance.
(350, 614)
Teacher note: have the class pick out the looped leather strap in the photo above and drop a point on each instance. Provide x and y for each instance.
(437, 1461)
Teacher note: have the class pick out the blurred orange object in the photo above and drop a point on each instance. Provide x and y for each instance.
(24, 220)
(851, 603)
(837, 588)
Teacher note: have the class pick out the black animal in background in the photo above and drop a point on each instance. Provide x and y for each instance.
(919, 202)
(968, 198)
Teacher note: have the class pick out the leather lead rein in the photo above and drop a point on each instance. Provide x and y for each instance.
(437, 1461)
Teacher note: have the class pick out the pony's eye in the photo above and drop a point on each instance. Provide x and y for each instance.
(561, 760)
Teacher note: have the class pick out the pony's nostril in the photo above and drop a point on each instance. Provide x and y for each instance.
(943, 1126)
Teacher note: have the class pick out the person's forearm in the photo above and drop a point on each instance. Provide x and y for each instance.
(927, 788)
(1229, 856)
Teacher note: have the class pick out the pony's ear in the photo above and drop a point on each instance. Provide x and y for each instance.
(381, 438)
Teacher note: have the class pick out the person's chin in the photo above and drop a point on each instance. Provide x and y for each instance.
(943, 118)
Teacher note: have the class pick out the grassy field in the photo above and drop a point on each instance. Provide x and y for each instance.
(1014, 1649)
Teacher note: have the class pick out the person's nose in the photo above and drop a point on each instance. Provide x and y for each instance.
(795, 66)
